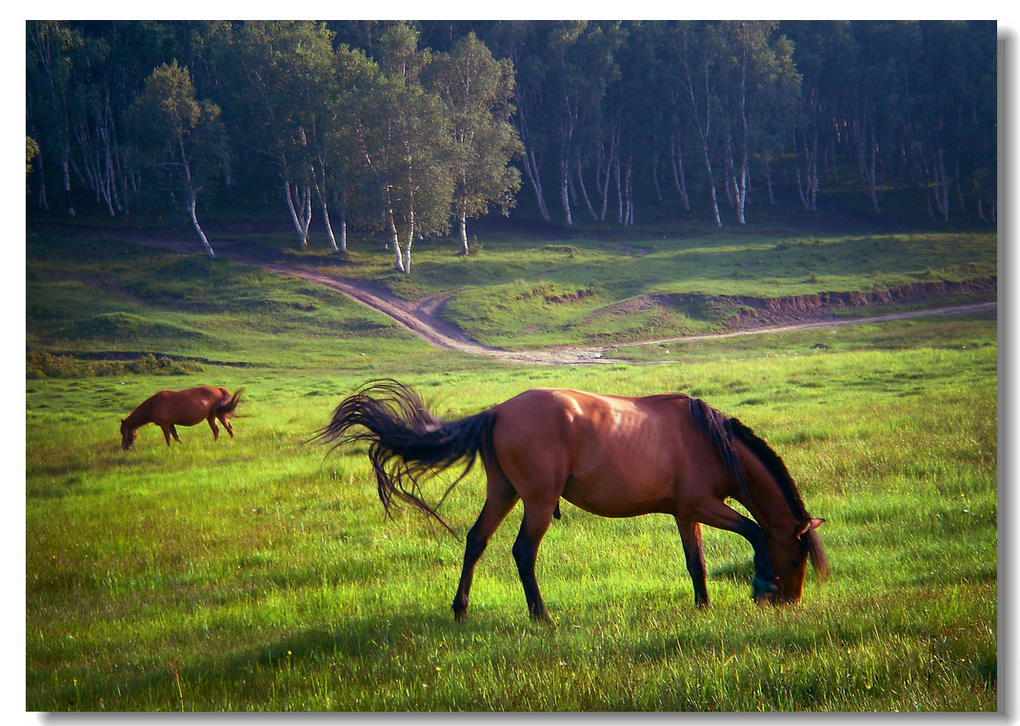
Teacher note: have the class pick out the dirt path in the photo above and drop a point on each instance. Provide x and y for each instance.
(421, 320)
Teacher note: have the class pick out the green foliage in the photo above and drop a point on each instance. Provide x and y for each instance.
(40, 364)
(477, 91)
(616, 122)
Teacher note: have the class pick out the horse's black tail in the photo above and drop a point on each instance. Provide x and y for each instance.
(228, 405)
(407, 443)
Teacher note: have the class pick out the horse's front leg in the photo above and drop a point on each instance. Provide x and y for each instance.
(215, 429)
(537, 517)
(717, 514)
(167, 430)
(694, 554)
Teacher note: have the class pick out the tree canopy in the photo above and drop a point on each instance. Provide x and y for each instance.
(413, 127)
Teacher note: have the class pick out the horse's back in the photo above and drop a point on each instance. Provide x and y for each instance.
(612, 455)
(187, 407)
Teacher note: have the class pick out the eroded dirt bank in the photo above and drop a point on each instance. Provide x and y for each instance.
(758, 311)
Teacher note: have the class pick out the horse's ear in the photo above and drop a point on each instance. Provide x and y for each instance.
(809, 524)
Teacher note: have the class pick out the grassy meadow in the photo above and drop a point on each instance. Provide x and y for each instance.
(256, 574)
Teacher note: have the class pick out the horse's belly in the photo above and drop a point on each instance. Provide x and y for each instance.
(189, 420)
(620, 494)
(181, 415)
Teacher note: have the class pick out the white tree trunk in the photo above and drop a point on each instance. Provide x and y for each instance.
(40, 169)
(584, 191)
(531, 171)
(329, 227)
(65, 168)
(618, 183)
(610, 160)
(679, 177)
(940, 186)
(299, 204)
(565, 189)
(463, 233)
(198, 229)
(873, 176)
(410, 241)
(628, 190)
(398, 261)
(343, 232)
(807, 181)
(655, 175)
(711, 185)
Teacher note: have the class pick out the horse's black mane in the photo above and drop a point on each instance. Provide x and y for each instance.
(722, 429)
(773, 463)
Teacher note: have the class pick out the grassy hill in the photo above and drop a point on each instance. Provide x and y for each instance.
(518, 291)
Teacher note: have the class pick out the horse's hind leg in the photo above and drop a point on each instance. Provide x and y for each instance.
(215, 429)
(500, 499)
(537, 517)
(694, 554)
(226, 424)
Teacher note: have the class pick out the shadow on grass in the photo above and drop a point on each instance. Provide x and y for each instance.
(361, 640)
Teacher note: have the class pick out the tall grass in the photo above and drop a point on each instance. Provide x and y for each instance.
(252, 574)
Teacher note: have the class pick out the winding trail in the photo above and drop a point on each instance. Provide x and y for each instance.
(420, 318)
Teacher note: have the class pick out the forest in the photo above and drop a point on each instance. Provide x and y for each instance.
(412, 129)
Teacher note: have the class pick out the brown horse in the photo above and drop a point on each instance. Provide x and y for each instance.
(168, 409)
(614, 456)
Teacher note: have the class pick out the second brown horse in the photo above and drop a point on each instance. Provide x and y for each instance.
(169, 409)
(614, 456)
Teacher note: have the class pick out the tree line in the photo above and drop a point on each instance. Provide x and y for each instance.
(411, 128)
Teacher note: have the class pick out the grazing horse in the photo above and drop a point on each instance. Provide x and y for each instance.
(167, 409)
(614, 456)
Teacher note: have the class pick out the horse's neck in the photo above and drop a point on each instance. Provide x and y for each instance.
(140, 416)
(769, 507)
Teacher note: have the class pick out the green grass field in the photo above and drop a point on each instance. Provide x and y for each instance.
(256, 574)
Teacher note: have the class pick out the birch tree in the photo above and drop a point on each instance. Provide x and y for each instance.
(181, 134)
(406, 143)
(700, 54)
(476, 90)
(522, 42)
(761, 89)
(289, 88)
(51, 48)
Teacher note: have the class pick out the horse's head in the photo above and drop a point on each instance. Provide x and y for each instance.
(790, 556)
(127, 436)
